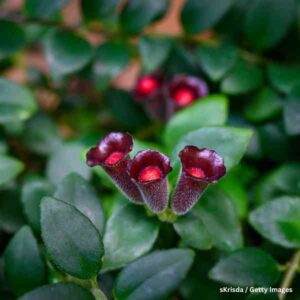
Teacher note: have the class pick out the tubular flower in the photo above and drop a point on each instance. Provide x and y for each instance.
(112, 154)
(148, 91)
(149, 170)
(200, 167)
(183, 90)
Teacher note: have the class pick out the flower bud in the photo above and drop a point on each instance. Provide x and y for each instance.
(200, 167)
(112, 154)
(149, 170)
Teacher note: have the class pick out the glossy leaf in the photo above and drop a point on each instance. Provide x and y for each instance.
(67, 52)
(74, 190)
(210, 111)
(44, 8)
(291, 116)
(246, 267)
(267, 219)
(267, 22)
(72, 241)
(229, 142)
(243, 78)
(140, 232)
(291, 230)
(59, 291)
(24, 267)
(217, 60)
(16, 102)
(10, 168)
(198, 15)
(12, 38)
(154, 276)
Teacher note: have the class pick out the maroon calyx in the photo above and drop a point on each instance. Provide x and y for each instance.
(112, 154)
(200, 167)
(149, 170)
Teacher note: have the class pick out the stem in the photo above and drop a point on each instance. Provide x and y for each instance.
(290, 274)
(98, 294)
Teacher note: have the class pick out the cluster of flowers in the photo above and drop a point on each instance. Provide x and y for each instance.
(143, 179)
(162, 98)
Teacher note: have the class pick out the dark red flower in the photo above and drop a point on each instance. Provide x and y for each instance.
(147, 85)
(199, 168)
(149, 170)
(184, 90)
(112, 154)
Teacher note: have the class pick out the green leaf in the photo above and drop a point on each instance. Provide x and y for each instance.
(217, 60)
(154, 51)
(139, 13)
(229, 142)
(12, 38)
(10, 168)
(66, 52)
(265, 105)
(65, 160)
(74, 190)
(210, 111)
(243, 78)
(110, 59)
(267, 22)
(154, 276)
(267, 218)
(220, 219)
(283, 77)
(33, 191)
(41, 135)
(16, 102)
(291, 116)
(291, 230)
(44, 8)
(246, 267)
(198, 15)
(59, 291)
(125, 109)
(72, 241)
(24, 268)
(193, 232)
(140, 232)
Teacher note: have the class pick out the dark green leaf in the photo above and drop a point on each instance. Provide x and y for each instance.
(41, 135)
(12, 38)
(267, 22)
(154, 276)
(246, 267)
(243, 78)
(198, 15)
(139, 13)
(220, 219)
(217, 60)
(154, 51)
(44, 8)
(65, 160)
(24, 268)
(74, 190)
(193, 232)
(126, 111)
(111, 59)
(291, 230)
(291, 116)
(72, 241)
(262, 296)
(212, 110)
(16, 102)
(282, 77)
(10, 168)
(33, 191)
(59, 291)
(129, 234)
(267, 218)
(229, 142)
(264, 105)
(67, 52)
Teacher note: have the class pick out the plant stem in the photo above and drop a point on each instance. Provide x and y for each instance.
(290, 274)
(98, 294)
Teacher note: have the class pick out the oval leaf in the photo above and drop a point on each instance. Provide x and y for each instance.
(72, 241)
(9, 168)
